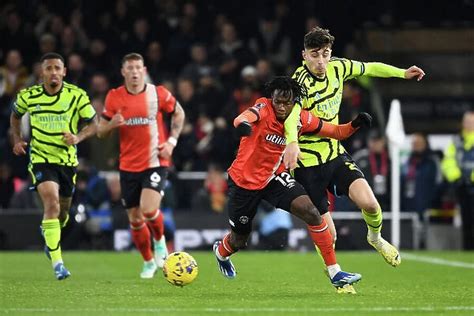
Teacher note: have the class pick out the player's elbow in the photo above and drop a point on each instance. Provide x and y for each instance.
(101, 133)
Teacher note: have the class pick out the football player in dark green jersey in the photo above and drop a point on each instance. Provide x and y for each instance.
(323, 163)
(56, 109)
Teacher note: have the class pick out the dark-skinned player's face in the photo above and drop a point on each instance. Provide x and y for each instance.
(282, 104)
(53, 72)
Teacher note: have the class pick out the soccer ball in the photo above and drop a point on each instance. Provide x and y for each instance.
(180, 268)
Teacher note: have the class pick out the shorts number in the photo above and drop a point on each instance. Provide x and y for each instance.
(352, 166)
(155, 177)
(285, 179)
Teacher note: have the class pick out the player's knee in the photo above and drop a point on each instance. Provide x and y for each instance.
(51, 205)
(370, 205)
(239, 242)
(310, 214)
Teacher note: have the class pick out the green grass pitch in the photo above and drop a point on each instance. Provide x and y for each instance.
(268, 283)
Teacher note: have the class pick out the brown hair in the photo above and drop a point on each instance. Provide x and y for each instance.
(318, 38)
(132, 56)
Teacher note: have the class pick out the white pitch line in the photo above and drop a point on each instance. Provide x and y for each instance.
(243, 310)
(433, 260)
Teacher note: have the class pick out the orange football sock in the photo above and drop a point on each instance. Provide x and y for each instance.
(154, 221)
(323, 240)
(224, 248)
(141, 239)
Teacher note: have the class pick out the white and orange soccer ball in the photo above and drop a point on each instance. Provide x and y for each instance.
(180, 268)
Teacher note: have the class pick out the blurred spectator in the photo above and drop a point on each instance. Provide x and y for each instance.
(187, 98)
(210, 96)
(231, 55)
(216, 186)
(157, 67)
(13, 74)
(97, 59)
(419, 177)
(26, 198)
(458, 168)
(204, 128)
(374, 162)
(199, 65)
(354, 100)
(140, 37)
(264, 73)
(179, 45)
(270, 42)
(248, 76)
(222, 144)
(15, 35)
(76, 72)
(184, 154)
(35, 77)
(99, 86)
(7, 188)
(274, 227)
(242, 98)
(47, 44)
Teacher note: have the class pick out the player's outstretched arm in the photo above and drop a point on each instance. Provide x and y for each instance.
(242, 123)
(414, 72)
(343, 131)
(382, 70)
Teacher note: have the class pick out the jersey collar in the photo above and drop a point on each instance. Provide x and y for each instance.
(59, 91)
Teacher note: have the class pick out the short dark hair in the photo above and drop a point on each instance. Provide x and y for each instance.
(52, 56)
(318, 38)
(132, 56)
(287, 86)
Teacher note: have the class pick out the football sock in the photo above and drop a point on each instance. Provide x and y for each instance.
(374, 223)
(225, 250)
(52, 237)
(333, 270)
(323, 240)
(154, 220)
(141, 239)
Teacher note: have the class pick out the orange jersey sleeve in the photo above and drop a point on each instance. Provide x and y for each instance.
(313, 124)
(166, 100)
(110, 106)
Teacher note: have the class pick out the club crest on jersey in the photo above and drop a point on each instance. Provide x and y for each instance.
(258, 106)
(244, 219)
(335, 83)
(38, 107)
(275, 139)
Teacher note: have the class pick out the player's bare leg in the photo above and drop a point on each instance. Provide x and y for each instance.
(347, 288)
(150, 201)
(223, 249)
(51, 229)
(323, 241)
(141, 238)
(65, 206)
(361, 194)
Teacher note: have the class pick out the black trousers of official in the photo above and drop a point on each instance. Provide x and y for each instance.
(466, 201)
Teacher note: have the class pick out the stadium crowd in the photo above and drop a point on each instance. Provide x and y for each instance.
(213, 56)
